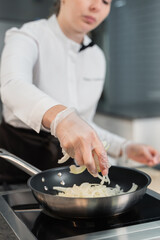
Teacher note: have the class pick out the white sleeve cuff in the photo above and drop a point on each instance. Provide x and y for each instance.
(38, 112)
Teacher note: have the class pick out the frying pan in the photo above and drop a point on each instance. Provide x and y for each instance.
(41, 184)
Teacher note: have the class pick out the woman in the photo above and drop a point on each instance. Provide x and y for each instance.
(50, 86)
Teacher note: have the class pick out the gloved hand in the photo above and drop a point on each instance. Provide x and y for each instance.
(79, 140)
(141, 153)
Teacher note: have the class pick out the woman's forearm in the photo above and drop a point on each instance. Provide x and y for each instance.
(50, 115)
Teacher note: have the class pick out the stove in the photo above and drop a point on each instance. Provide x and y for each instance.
(28, 221)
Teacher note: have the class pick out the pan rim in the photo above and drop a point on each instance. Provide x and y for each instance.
(89, 198)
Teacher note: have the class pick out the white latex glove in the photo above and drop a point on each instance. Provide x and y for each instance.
(79, 140)
(141, 153)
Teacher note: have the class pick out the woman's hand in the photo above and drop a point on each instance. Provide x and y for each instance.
(142, 153)
(80, 141)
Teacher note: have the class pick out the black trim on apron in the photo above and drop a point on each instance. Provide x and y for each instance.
(40, 149)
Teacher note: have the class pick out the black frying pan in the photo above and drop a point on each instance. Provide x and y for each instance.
(41, 184)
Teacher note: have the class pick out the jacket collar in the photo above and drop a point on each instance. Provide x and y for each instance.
(54, 26)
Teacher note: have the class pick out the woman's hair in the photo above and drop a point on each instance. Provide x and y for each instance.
(55, 8)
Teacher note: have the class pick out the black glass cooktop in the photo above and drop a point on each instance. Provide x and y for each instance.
(45, 227)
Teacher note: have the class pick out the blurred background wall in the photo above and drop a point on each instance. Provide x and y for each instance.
(130, 103)
(131, 40)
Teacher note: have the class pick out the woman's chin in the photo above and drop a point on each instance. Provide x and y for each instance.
(85, 29)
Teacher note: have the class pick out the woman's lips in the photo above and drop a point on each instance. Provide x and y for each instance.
(89, 19)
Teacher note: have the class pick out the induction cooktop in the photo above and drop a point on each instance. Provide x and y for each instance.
(24, 215)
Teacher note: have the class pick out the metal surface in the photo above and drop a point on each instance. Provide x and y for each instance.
(26, 167)
(63, 207)
(145, 231)
(20, 229)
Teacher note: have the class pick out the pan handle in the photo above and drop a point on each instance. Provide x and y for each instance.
(18, 162)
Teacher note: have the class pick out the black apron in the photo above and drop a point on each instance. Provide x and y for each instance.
(40, 149)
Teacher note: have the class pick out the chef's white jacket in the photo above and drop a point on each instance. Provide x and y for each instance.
(41, 67)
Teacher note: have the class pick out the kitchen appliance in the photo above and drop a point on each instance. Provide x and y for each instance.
(41, 184)
(27, 221)
(23, 218)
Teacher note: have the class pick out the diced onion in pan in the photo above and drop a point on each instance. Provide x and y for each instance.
(104, 179)
(87, 190)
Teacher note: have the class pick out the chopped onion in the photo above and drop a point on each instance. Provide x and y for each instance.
(64, 158)
(104, 179)
(77, 170)
(87, 190)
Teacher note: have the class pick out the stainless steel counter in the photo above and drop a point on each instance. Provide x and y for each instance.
(146, 231)
(5, 231)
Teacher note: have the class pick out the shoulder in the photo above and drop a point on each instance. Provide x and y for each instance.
(33, 30)
(35, 27)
